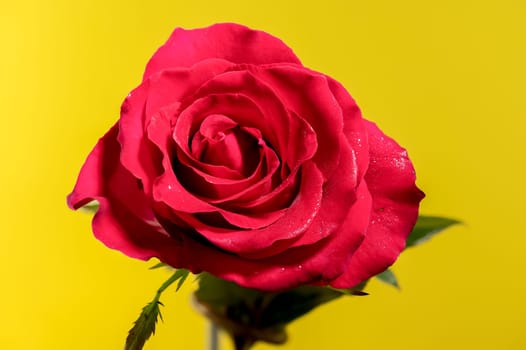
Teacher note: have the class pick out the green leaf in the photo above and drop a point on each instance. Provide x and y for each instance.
(426, 227)
(144, 326)
(182, 275)
(388, 277)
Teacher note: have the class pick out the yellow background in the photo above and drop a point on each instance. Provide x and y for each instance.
(446, 78)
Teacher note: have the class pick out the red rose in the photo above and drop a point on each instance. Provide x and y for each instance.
(231, 157)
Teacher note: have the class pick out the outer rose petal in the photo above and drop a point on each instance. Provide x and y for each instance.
(320, 262)
(229, 41)
(178, 84)
(391, 181)
(136, 153)
(353, 128)
(124, 220)
(339, 195)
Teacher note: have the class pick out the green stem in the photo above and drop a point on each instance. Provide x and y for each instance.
(213, 343)
(178, 274)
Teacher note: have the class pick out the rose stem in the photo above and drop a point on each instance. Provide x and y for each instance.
(212, 336)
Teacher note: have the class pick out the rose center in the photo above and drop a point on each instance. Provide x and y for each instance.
(221, 141)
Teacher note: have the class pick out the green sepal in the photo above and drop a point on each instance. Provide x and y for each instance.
(91, 207)
(287, 306)
(254, 315)
(388, 277)
(158, 265)
(354, 291)
(426, 227)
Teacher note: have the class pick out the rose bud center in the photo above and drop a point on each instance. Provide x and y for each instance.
(221, 141)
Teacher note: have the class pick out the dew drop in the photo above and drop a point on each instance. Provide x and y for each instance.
(359, 140)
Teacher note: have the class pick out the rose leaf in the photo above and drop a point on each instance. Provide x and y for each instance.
(388, 277)
(144, 326)
(426, 227)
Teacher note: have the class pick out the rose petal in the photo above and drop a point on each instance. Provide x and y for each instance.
(307, 93)
(178, 84)
(232, 42)
(353, 126)
(161, 90)
(218, 190)
(137, 154)
(281, 195)
(391, 181)
(247, 100)
(220, 141)
(303, 142)
(297, 219)
(124, 220)
(167, 187)
(339, 194)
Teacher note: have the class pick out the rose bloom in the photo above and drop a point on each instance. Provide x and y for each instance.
(233, 158)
